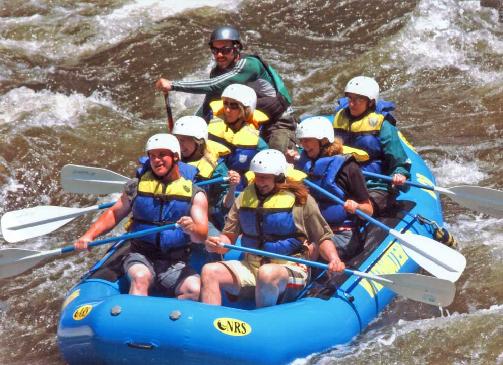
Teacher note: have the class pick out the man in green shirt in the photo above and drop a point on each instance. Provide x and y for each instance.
(233, 67)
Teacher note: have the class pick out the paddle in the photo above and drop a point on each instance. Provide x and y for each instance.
(14, 261)
(169, 112)
(436, 258)
(91, 180)
(481, 199)
(37, 221)
(425, 289)
(27, 223)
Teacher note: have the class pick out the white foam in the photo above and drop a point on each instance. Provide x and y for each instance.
(105, 30)
(24, 106)
(478, 230)
(450, 172)
(449, 33)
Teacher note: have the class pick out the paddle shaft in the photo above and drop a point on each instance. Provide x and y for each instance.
(299, 260)
(169, 113)
(126, 236)
(434, 257)
(340, 201)
(407, 182)
(425, 289)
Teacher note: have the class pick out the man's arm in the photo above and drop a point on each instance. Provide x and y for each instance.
(105, 222)
(244, 71)
(395, 158)
(196, 226)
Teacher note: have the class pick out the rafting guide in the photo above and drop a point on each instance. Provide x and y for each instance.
(232, 66)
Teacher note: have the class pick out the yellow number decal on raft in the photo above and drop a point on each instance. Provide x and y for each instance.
(232, 327)
(82, 312)
(424, 180)
(404, 140)
(70, 298)
(389, 263)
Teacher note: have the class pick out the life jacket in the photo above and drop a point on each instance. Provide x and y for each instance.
(238, 148)
(206, 165)
(323, 172)
(158, 204)
(269, 224)
(256, 119)
(187, 171)
(362, 134)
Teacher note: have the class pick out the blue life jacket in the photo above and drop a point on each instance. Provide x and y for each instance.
(323, 172)
(269, 224)
(158, 204)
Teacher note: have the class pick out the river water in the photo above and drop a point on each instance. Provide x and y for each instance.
(76, 86)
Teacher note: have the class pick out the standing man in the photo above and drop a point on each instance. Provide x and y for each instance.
(160, 196)
(233, 67)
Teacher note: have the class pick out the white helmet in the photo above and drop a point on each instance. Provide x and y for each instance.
(163, 141)
(316, 127)
(363, 85)
(242, 93)
(269, 162)
(191, 126)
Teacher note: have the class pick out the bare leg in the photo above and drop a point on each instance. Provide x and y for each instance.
(271, 282)
(189, 288)
(216, 276)
(141, 279)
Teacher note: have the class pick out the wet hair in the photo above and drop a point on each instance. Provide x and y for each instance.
(331, 149)
(295, 187)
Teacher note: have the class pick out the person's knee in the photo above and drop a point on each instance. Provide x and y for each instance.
(141, 277)
(191, 288)
(269, 274)
(210, 274)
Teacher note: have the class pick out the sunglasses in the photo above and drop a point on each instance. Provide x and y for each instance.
(231, 105)
(222, 50)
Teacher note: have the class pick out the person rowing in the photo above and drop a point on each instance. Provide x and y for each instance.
(361, 125)
(160, 196)
(232, 129)
(275, 215)
(322, 160)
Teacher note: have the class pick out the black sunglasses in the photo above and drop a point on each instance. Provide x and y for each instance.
(231, 105)
(222, 50)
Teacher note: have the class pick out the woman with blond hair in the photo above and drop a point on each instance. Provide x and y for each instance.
(274, 215)
(234, 128)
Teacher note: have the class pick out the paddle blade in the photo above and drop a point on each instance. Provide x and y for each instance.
(91, 180)
(15, 261)
(436, 258)
(422, 288)
(480, 199)
(33, 222)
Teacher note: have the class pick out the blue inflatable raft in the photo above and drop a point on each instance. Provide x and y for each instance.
(101, 324)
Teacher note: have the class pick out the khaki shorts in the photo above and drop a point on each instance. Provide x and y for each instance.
(246, 272)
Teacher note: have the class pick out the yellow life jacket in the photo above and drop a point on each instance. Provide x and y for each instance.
(372, 122)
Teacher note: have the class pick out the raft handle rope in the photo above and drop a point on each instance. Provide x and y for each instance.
(440, 234)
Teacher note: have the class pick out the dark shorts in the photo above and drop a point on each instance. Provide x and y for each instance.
(348, 244)
(383, 202)
(167, 272)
